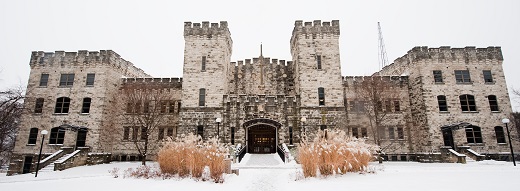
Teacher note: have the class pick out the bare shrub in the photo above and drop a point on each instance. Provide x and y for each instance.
(189, 156)
(333, 152)
(114, 172)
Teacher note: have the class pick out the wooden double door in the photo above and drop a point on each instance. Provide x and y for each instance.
(261, 139)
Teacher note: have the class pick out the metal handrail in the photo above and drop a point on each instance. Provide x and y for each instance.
(281, 152)
(241, 153)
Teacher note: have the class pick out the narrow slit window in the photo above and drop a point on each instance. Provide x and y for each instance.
(321, 96)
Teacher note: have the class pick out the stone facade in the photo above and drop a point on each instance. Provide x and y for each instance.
(265, 101)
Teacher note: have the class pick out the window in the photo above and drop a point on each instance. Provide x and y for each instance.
(86, 105)
(499, 132)
(488, 77)
(62, 105)
(467, 103)
(233, 135)
(129, 107)
(169, 132)
(290, 135)
(163, 106)
(44, 79)
(493, 103)
(202, 97)
(441, 100)
(66, 80)
(400, 133)
(355, 132)
(318, 62)
(388, 106)
(33, 136)
(437, 76)
(397, 106)
(391, 133)
(178, 107)
(462, 76)
(135, 132)
(57, 136)
(38, 107)
(160, 136)
(473, 134)
(203, 65)
(146, 108)
(323, 127)
(379, 106)
(321, 96)
(126, 133)
(364, 132)
(90, 79)
(200, 131)
(171, 107)
(144, 133)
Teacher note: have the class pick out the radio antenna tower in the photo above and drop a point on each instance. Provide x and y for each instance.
(382, 58)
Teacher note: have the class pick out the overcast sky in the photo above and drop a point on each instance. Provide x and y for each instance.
(149, 33)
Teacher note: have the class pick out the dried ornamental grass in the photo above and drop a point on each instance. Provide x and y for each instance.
(334, 153)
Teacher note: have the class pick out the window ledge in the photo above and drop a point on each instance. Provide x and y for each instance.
(465, 83)
(444, 112)
(42, 86)
(60, 114)
(89, 85)
(84, 113)
(470, 112)
(439, 83)
(30, 145)
(495, 111)
(64, 86)
(489, 83)
(55, 144)
(476, 144)
(502, 144)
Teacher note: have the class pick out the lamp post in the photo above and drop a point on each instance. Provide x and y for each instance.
(218, 120)
(506, 121)
(44, 132)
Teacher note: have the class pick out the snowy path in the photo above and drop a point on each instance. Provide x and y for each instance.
(265, 172)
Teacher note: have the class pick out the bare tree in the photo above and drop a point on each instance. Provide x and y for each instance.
(145, 114)
(11, 108)
(377, 97)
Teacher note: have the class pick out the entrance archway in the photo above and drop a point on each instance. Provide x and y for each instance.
(262, 135)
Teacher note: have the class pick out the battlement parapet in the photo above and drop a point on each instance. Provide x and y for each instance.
(266, 60)
(85, 58)
(467, 54)
(314, 30)
(353, 80)
(154, 82)
(205, 29)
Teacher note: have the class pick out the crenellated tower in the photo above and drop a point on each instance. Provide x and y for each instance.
(315, 53)
(207, 54)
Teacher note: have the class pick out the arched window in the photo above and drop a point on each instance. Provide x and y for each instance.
(321, 96)
(499, 132)
(473, 134)
(493, 103)
(38, 107)
(33, 136)
(62, 105)
(57, 136)
(441, 100)
(467, 102)
(86, 105)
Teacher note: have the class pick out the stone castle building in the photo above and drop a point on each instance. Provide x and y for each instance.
(430, 101)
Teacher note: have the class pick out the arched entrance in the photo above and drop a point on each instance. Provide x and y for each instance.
(262, 135)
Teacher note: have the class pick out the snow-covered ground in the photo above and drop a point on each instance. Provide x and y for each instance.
(267, 172)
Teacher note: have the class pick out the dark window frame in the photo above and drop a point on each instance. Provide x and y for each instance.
(437, 76)
(442, 103)
(321, 96)
(44, 80)
(391, 133)
(488, 77)
(474, 134)
(400, 133)
(85, 107)
(467, 103)
(200, 131)
(66, 80)
(202, 97)
(493, 103)
(318, 62)
(203, 64)
(38, 105)
(355, 132)
(462, 76)
(126, 133)
(57, 136)
(33, 136)
(91, 77)
(62, 105)
(500, 134)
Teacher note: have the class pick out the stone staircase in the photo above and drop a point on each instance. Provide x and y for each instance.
(50, 167)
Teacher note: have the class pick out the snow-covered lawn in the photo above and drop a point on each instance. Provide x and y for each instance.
(486, 175)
